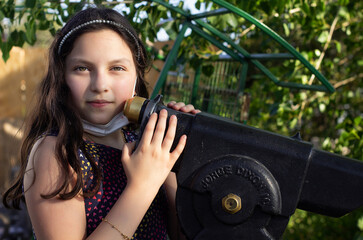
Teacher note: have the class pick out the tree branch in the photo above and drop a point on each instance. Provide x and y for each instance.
(327, 43)
(318, 63)
(348, 80)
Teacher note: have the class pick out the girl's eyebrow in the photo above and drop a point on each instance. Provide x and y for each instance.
(121, 60)
(79, 60)
(85, 61)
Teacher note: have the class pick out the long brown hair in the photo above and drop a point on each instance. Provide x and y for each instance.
(54, 110)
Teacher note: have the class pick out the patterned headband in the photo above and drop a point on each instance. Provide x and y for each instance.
(104, 22)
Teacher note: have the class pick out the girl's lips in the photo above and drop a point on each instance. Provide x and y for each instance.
(98, 103)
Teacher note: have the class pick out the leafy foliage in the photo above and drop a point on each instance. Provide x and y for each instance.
(326, 32)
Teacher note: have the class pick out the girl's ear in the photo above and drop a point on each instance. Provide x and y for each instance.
(134, 93)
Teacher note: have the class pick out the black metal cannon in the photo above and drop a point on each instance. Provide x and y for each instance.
(239, 182)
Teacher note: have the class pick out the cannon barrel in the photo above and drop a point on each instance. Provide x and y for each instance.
(333, 184)
(240, 182)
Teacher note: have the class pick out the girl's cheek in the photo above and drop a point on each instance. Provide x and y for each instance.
(125, 91)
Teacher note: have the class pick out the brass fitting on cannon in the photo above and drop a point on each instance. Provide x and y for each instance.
(133, 107)
(231, 203)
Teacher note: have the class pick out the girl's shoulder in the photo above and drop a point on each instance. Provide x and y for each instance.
(42, 163)
(44, 145)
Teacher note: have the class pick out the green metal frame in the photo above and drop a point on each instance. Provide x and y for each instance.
(236, 51)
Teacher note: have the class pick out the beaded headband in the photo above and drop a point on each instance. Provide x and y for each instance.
(105, 22)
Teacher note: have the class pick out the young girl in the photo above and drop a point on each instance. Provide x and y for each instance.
(80, 176)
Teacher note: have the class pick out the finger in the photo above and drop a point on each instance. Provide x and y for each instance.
(160, 128)
(189, 109)
(178, 106)
(149, 129)
(171, 104)
(174, 155)
(170, 134)
(195, 111)
(127, 151)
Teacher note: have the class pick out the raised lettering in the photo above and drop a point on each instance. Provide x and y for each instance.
(220, 171)
(228, 169)
(214, 175)
(265, 199)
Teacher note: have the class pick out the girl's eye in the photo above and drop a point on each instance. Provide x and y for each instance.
(81, 69)
(118, 68)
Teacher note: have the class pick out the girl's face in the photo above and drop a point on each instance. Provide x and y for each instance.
(101, 74)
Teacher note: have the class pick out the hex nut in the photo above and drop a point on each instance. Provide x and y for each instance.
(232, 203)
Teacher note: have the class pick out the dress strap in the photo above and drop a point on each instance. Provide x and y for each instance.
(130, 135)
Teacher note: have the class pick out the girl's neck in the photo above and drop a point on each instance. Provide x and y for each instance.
(115, 139)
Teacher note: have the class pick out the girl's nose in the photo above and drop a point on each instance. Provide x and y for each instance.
(99, 82)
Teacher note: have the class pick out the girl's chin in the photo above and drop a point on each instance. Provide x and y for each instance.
(98, 121)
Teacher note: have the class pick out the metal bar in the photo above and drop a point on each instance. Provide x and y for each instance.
(265, 71)
(278, 39)
(271, 56)
(242, 78)
(169, 60)
(214, 41)
(223, 37)
(303, 86)
(196, 85)
(171, 7)
(242, 51)
(257, 63)
(210, 13)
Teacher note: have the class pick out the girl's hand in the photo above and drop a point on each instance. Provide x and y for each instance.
(180, 106)
(152, 161)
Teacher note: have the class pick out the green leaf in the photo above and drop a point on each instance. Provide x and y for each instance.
(16, 38)
(322, 107)
(43, 25)
(9, 10)
(358, 121)
(286, 29)
(208, 70)
(343, 2)
(30, 32)
(344, 13)
(354, 134)
(306, 8)
(338, 46)
(30, 3)
(58, 21)
(232, 21)
(1, 15)
(5, 49)
(98, 2)
(321, 6)
(323, 37)
(317, 52)
(78, 7)
(52, 31)
(293, 123)
(197, 5)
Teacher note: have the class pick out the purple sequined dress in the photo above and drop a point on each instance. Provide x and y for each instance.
(152, 226)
